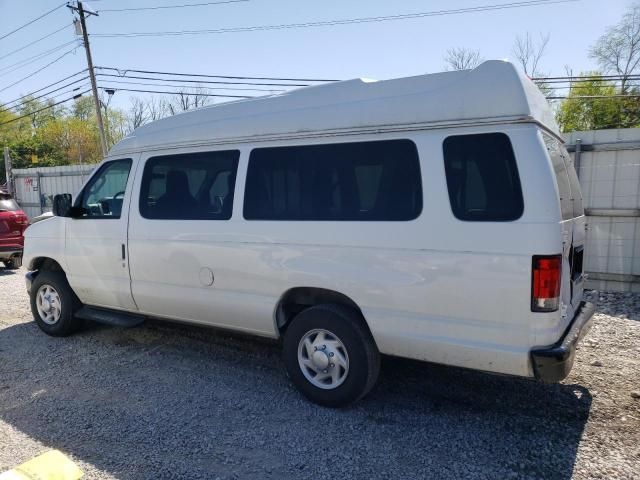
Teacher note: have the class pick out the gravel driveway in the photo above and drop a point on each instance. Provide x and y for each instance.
(164, 401)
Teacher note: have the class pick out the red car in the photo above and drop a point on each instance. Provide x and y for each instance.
(13, 223)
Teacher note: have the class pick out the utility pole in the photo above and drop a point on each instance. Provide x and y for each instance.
(94, 87)
(7, 167)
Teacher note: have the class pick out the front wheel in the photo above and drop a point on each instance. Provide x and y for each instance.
(330, 355)
(54, 304)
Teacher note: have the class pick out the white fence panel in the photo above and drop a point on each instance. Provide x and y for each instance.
(35, 187)
(608, 163)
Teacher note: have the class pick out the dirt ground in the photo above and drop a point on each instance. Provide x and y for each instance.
(166, 401)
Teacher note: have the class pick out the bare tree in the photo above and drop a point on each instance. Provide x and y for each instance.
(183, 101)
(138, 114)
(462, 59)
(618, 50)
(156, 108)
(528, 52)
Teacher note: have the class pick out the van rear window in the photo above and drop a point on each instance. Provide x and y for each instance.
(360, 181)
(482, 178)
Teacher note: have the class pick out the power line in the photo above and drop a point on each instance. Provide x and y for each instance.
(45, 108)
(593, 97)
(34, 42)
(51, 85)
(588, 87)
(177, 93)
(326, 23)
(579, 97)
(39, 70)
(32, 21)
(85, 85)
(207, 81)
(578, 81)
(169, 6)
(125, 70)
(189, 86)
(35, 58)
(589, 80)
(27, 98)
(583, 77)
(122, 77)
(123, 73)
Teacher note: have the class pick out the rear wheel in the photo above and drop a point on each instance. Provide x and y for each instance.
(330, 355)
(54, 304)
(13, 263)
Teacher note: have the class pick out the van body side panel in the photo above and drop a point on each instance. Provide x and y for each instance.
(435, 288)
(437, 319)
(45, 240)
(186, 269)
(96, 269)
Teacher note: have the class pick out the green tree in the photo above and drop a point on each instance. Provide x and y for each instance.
(39, 111)
(115, 126)
(70, 140)
(595, 104)
(83, 108)
(55, 135)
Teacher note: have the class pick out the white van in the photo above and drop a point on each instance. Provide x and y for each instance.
(436, 217)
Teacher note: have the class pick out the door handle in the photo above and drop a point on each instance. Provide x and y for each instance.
(123, 253)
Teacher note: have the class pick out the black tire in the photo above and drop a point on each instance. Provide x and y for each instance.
(350, 328)
(67, 323)
(13, 263)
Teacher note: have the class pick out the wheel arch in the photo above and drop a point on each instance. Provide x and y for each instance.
(45, 263)
(297, 299)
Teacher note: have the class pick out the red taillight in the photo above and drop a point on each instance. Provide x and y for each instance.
(545, 288)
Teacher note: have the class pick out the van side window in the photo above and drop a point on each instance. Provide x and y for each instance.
(103, 195)
(363, 181)
(482, 178)
(191, 186)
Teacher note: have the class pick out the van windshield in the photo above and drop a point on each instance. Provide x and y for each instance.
(566, 178)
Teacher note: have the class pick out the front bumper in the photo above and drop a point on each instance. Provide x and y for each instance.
(553, 363)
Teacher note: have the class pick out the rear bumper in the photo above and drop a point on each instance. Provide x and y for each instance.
(553, 363)
(10, 251)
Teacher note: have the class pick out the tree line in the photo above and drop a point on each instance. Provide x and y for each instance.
(49, 135)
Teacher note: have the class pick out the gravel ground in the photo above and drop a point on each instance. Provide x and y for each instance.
(166, 401)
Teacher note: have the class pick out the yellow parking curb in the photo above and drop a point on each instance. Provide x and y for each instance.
(53, 465)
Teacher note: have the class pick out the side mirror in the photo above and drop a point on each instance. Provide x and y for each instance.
(62, 205)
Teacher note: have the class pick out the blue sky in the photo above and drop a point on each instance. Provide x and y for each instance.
(373, 50)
